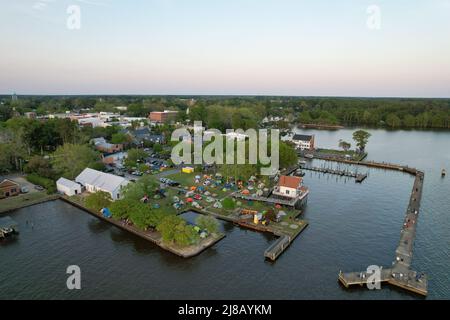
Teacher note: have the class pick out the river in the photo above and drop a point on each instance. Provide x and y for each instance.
(351, 227)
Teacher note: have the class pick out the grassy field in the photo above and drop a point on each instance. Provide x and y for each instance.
(341, 153)
(23, 200)
(188, 180)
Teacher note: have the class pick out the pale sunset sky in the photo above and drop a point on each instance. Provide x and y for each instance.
(253, 47)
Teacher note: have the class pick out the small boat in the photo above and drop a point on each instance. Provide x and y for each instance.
(443, 173)
(6, 232)
(8, 227)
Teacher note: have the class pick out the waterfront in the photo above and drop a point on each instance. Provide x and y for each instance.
(351, 226)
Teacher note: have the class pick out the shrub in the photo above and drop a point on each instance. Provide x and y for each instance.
(228, 203)
(97, 201)
(207, 223)
(175, 230)
(48, 184)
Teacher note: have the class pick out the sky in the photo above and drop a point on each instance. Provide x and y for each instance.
(384, 48)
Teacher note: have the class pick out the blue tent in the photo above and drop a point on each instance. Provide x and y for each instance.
(106, 213)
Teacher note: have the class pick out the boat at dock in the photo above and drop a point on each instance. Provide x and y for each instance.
(8, 227)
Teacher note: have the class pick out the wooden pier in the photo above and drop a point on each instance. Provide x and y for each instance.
(359, 177)
(277, 248)
(399, 274)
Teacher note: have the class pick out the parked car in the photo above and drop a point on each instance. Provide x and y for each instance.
(39, 188)
(24, 189)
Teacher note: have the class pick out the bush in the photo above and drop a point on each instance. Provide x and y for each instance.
(175, 230)
(207, 223)
(97, 201)
(48, 184)
(228, 203)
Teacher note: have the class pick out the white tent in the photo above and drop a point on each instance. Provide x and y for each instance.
(95, 181)
(68, 187)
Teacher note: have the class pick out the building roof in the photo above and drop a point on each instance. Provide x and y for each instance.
(142, 131)
(302, 137)
(290, 182)
(67, 183)
(8, 183)
(101, 180)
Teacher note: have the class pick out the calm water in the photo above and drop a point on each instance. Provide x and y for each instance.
(351, 226)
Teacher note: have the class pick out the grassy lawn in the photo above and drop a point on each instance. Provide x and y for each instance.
(188, 180)
(353, 154)
(22, 200)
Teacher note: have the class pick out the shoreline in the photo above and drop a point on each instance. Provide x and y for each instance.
(154, 237)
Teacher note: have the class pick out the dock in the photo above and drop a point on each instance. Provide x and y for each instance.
(359, 177)
(8, 227)
(274, 250)
(296, 202)
(400, 273)
(277, 248)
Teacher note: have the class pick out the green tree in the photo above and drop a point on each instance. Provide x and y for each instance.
(344, 145)
(120, 209)
(228, 203)
(361, 138)
(157, 147)
(207, 223)
(70, 159)
(40, 166)
(170, 226)
(120, 138)
(134, 155)
(98, 200)
(185, 235)
(288, 155)
(393, 121)
(145, 186)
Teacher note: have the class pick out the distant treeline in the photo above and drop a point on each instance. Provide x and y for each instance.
(225, 112)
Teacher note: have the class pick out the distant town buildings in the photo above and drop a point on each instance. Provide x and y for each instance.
(165, 116)
(303, 141)
(98, 119)
(103, 146)
(30, 115)
(115, 159)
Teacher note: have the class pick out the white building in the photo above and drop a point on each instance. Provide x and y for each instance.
(288, 186)
(94, 181)
(68, 187)
(303, 141)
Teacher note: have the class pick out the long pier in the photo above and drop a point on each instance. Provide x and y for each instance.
(399, 274)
